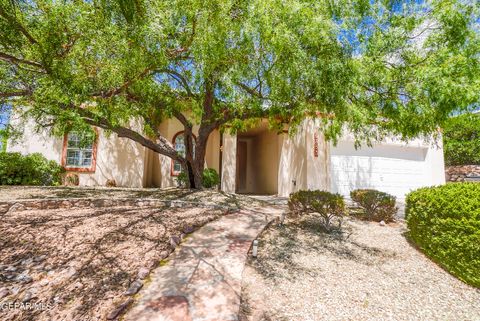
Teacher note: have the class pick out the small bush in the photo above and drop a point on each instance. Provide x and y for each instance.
(182, 179)
(330, 206)
(378, 206)
(33, 169)
(444, 222)
(210, 178)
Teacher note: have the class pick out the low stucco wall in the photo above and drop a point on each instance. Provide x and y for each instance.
(461, 173)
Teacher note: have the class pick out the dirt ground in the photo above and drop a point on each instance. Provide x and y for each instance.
(76, 264)
(366, 272)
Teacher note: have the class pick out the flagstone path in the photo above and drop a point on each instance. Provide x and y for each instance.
(201, 281)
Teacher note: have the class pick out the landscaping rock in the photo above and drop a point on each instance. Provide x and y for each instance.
(16, 207)
(382, 223)
(143, 273)
(134, 288)
(27, 297)
(39, 258)
(164, 255)
(174, 240)
(27, 261)
(15, 290)
(118, 310)
(188, 229)
(10, 269)
(24, 278)
(4, 292)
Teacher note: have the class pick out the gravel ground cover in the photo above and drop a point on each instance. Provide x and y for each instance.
(81, 264)
(367, 272)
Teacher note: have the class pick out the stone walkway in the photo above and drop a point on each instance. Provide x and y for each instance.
(202, 279)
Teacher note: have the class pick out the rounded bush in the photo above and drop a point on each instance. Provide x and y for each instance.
(378, 206)
(330, 206)
(444, 222)
(33, 169)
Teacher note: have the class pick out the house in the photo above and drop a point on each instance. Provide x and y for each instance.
(257, 161)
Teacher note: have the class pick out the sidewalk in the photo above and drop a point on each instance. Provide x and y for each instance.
(202, 279)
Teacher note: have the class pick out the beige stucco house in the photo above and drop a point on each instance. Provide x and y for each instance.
(257, 161)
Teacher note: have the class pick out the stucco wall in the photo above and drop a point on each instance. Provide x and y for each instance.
(117, 158)
(299, 167)
(35, 142)
(229, 159)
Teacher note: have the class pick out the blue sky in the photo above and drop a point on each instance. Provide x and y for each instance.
(4, 112)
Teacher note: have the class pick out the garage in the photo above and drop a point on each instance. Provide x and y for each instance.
(395, 169)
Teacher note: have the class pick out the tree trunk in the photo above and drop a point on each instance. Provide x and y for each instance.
(196, 161)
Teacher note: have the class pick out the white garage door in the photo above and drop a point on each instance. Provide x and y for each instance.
(389, 168)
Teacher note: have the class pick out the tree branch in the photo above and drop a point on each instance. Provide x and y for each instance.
(251, 91)
(126, 84)
(15, 60)
(18, 25)
(164, 148)
(15, 93)
(180, 79)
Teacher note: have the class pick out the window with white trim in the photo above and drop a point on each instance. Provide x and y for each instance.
(79, 152)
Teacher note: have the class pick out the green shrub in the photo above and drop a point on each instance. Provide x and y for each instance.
(378, 206)
(461, 137)
(182, 179)
(444, 222)
(210, 178)
(33, 169)
(330, 206)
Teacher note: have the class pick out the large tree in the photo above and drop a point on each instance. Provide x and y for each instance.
(372, 67)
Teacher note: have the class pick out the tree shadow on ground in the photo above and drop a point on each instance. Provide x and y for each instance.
(283, 243)
(89, 256)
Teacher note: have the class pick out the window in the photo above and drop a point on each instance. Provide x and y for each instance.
(79, 152)
(179, 145)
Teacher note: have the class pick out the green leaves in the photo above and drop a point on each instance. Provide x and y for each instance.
(461, 140)
(375, 68)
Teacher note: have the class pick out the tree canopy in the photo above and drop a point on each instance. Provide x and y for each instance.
(372, 67)
(461, 140)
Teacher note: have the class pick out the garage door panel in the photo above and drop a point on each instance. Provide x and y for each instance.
(398, 174)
